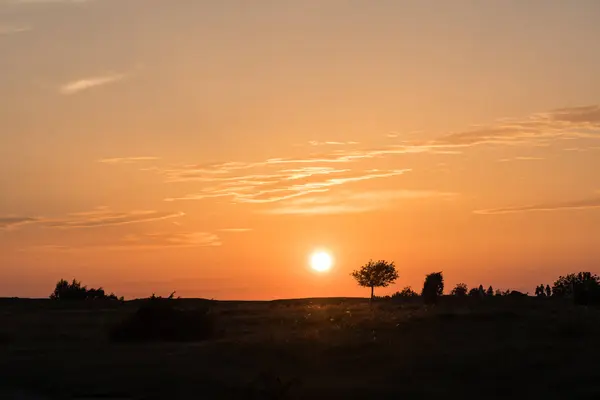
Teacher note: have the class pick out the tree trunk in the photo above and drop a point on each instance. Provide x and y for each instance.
(372, 292)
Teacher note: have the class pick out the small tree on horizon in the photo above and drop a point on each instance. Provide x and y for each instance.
(490, 291)
(460, 290)
(433, 287)
(548, 291)
(376, 274)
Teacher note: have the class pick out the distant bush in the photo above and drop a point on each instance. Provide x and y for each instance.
(583, 287)
(75, 291)
(459, 290)
(159, 319)
(433, 287)
(406, 292)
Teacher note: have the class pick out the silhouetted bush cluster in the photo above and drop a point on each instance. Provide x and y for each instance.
(75, 291)
(404, 293)
(159, 319)
(583, 287)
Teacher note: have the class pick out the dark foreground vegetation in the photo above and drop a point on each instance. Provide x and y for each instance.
(463, 346)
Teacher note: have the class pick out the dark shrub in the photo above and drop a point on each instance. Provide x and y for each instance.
(75, 291)
(433, 287)
(406, 292)
(459, 290)
(159, 319)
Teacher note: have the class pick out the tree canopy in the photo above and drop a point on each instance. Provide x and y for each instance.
(376, 274)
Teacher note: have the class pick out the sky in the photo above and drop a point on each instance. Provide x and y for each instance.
(210, 147)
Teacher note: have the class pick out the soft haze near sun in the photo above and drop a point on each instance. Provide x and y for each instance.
(209, 147)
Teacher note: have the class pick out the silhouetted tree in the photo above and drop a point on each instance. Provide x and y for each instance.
(459, 290)
(498, 292)
(433, 287)
(584, 287)
(548, 291)
(376, 274)
(69, 291)
(406, 292)
(481, 291)
(490, 291)
(474, 292)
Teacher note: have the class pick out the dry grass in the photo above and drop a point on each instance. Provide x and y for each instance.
(309, 349)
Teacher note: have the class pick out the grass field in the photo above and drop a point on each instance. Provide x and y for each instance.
(496, 347)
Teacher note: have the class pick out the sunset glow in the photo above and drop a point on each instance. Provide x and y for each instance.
(207, 147)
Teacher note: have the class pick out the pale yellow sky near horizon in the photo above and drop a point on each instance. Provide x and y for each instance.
(210, 147)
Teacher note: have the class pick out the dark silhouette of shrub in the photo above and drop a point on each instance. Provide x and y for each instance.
(459, 290)
(75, 291)
(433, 287)
(583, 287)
(540, 291)
(69, 291)
(474, 292)
(548, 291)
(159, 319)
(406, 292)
(376, 274)
(490, 291)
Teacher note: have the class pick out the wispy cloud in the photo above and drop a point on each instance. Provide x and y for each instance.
(236, 230)
(80, 85)
(12, 222)
(350, 202)
(537, 129)
(522, 158)
(100, 217)
(6, 30)
(126, 160)
(105, 217)
(148, 241)
(285, 184)
(558, 206)
(331, 143)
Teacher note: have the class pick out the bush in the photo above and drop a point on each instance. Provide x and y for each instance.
(406, 292)
(433, 287)
(459, 290)
(75, 291)
(159, 319)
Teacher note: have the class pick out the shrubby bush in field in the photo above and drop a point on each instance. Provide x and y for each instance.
(160, 319)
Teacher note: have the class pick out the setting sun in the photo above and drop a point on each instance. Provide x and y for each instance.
(321, 261)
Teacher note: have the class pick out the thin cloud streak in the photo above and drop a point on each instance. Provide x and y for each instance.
(101, 217)
(10, 222)
(537, 129)
(127, 160)
(81, 85)
(148, 241)
(559, 206)
(348, 202)
(6, 30)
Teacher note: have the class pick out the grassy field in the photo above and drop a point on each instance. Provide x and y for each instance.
(496, 347)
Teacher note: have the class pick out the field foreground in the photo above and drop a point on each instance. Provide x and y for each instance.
(495, 347)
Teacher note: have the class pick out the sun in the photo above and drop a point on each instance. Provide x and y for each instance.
(321, 261)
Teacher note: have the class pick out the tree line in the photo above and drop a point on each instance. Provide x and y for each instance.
(582, 287)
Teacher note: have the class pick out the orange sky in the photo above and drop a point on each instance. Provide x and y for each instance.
(211, 147)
